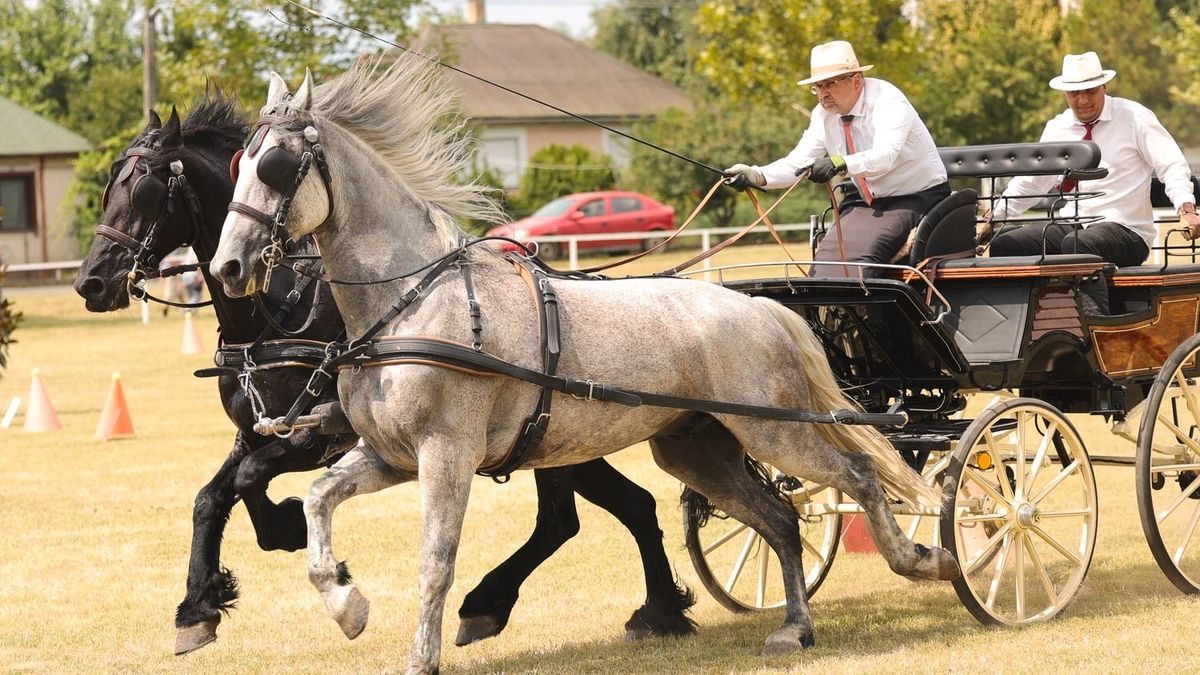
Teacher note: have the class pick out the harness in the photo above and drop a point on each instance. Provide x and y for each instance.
(371, 350)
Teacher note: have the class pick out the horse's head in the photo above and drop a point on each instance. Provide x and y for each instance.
(159, 195)
(283, 189)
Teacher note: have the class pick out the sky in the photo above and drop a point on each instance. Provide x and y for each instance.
(574, 15)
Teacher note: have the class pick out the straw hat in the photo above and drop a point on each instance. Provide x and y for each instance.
(1081, 71)
(832, 59)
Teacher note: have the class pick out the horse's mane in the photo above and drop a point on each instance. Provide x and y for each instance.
(408, 114)
(216, 120)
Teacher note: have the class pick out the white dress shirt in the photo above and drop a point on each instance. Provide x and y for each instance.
(895, 152)
(1133, 146)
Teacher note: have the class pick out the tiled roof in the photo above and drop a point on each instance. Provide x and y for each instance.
(28, 133)
(551, 67)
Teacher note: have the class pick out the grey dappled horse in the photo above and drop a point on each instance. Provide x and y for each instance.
(388, 208)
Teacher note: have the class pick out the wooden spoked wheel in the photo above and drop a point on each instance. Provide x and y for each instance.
(1168, 467)
(742, 572)
(1022, 523)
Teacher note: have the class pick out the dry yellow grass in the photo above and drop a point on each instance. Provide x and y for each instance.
(96, 538)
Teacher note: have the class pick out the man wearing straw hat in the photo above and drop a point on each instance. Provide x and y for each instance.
(864, 127)
(1133, 146)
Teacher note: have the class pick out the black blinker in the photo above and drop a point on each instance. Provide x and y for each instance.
(278, 169)
(149, 195)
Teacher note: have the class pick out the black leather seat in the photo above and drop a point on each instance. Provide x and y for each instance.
(948, 228)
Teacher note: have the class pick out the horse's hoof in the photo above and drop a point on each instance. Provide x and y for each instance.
(787, 640)
(349, 607)
(637, 634)
(936, 564)
(190, 638)
(476, 628)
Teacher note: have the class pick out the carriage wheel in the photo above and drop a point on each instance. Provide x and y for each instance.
(742, 572)
(1023, 521)
(1168, 467)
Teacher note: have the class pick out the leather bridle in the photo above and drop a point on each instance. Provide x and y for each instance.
(283, 172)
(155, 200)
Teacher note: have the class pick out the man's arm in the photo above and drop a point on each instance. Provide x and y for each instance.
(1160, 150)
(1014, 202)
(782, 172)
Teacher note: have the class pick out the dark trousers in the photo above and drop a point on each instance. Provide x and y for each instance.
(1113, 242)
(873, 233)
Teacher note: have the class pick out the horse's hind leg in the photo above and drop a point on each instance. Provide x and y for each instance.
(706, 457)
(485, 610)
(854, 473)
(278, 526)
(665, 610)
(211, 589)
(355, 474)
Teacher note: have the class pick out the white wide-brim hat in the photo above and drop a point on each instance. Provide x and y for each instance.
(1081, 71)
(832, 59)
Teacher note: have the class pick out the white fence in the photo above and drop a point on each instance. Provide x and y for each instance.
(706, 237)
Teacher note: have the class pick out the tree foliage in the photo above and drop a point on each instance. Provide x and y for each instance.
(558, 170)
(659, 40)
(8, 324)
(985, 69)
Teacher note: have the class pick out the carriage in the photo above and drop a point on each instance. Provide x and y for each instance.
(1021, 509)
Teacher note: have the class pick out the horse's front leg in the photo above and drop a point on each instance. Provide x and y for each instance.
(278, 526)
(359, 472)
(211, 589)
(444, 470)
(486, 608)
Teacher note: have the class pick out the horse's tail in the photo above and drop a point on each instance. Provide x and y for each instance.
(826, 395)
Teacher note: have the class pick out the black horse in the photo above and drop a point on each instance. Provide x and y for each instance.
(170, 188)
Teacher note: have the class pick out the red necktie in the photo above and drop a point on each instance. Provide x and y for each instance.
(860, 181)
(1070, 183)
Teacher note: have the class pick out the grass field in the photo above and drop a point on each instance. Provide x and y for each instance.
(96, 534)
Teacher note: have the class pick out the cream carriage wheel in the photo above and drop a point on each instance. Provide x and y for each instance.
(737, 566)
(1022, 523)
(1168, 467)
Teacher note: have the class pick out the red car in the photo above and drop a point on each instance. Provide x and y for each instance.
(591, 213)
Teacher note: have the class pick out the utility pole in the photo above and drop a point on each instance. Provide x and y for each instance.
(149, 64)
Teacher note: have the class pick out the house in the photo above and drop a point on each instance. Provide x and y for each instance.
(554, 68)
(36, 157)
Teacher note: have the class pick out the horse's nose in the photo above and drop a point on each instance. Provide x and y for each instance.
(231, 271)
(89, 288)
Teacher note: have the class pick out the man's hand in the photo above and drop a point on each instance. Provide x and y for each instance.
(742, 176)
(825, 168)
(1192, 222)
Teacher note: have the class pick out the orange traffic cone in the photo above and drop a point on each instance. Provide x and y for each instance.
(856, 536)
(40, 415)
(114, 418)
(192, 344)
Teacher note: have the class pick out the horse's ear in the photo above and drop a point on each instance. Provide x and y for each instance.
(155, 121)
(172, 132)
(303, 98)
(277, 90)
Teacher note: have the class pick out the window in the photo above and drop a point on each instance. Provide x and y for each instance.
(626, 204)
(16, 203)
(593, 208)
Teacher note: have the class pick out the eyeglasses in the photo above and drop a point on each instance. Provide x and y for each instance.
(829, 84)
(1085, 92)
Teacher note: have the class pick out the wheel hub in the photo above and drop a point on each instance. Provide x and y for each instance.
(1026, 516)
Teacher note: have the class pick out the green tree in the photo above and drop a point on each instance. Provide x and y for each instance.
(659, 40)
(755, 50)
(8, 324)
(985, 69)
(557, 170)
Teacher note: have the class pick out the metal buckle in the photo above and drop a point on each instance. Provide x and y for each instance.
(591, 393)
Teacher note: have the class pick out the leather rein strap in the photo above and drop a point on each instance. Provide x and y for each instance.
(451, 354)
